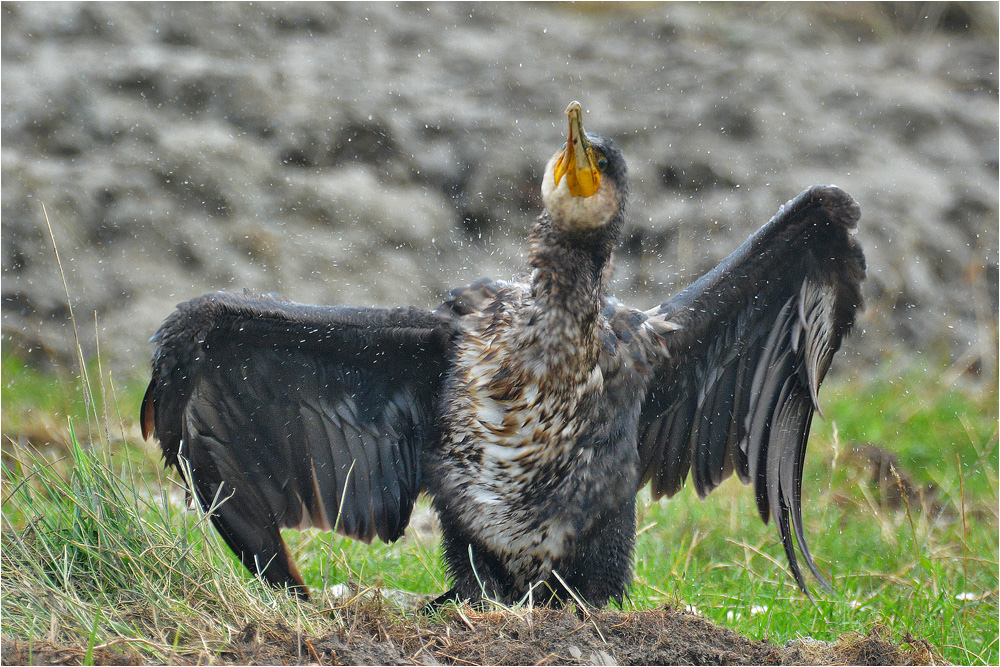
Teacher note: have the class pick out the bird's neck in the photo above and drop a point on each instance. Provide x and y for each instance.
(567, 285)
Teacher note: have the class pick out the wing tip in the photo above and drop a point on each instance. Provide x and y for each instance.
(837, 203)
(147, 412)
(297, 584)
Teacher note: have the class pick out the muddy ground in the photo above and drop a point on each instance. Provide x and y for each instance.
(374, 154)
(372, 636)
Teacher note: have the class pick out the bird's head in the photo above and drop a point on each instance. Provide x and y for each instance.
(584, 187)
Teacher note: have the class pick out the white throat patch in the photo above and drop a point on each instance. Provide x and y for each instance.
(570, 212)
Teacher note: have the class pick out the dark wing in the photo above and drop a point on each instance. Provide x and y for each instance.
(292, 416)
(738, 380)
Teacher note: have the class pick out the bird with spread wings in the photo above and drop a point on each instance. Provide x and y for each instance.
(531, 411)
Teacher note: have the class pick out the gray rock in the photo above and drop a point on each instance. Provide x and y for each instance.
(374, 154)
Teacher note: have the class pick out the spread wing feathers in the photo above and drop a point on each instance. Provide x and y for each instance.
(294, 416)
(737, 380)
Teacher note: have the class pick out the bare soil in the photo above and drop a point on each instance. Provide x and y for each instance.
(371, 634)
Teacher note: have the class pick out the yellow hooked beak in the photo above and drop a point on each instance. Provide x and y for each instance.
(577, 162)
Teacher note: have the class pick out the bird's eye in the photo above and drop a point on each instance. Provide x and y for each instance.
(602, 163)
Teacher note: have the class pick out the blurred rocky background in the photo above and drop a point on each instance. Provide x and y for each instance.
(381, 154)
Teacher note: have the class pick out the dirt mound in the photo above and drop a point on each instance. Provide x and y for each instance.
(375, 154)
(372, 636)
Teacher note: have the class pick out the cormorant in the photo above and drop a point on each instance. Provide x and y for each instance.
(531, 411)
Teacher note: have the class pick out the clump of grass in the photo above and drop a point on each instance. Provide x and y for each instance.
(93, 552)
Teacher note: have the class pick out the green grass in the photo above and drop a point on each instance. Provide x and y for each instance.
(928, 568)
(98, 553)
